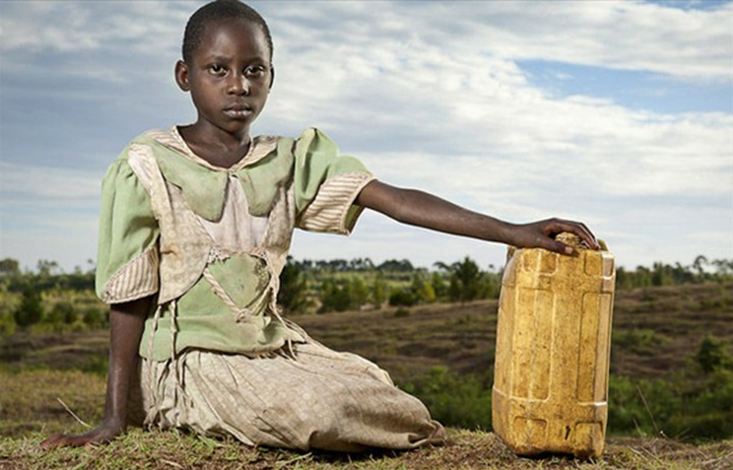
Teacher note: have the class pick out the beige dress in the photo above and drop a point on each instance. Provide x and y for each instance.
(223, 362)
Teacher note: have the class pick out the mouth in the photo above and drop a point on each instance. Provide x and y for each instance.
(238, 111)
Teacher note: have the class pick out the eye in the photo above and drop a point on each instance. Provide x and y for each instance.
(216, 69)
(254, 71)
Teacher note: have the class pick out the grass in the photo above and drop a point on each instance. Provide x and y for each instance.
(465, 450)
(655, 330)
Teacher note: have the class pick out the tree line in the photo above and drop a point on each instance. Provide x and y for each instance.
(46, 294)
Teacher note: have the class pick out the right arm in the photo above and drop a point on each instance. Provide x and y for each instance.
(126, 327)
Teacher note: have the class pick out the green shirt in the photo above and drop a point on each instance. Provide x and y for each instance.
(218, 236)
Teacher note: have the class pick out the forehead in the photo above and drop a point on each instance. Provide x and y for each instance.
(233, 38)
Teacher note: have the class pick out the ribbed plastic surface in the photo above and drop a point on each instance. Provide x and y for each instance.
(552, 352)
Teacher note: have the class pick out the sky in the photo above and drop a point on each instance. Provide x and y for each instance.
(615, 113)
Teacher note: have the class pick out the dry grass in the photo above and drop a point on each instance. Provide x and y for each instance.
(465, 450)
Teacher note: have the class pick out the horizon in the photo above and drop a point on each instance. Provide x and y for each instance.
(491, 267)
(619, 115)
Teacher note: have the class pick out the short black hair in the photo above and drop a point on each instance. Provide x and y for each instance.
(219, 10)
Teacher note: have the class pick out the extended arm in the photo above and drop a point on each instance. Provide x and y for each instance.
(425, 210)
(126, 326)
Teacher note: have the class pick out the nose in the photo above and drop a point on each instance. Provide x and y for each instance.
(238, 84)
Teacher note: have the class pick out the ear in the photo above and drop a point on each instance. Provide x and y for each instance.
(272, 76)
(181, 73)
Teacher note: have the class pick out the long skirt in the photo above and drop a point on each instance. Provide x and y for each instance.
(316, 399)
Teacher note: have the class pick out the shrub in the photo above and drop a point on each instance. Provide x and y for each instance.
(641, 341)
(62, 312)
(712, 354)
(402, 297)
(455, 400)
(681, 407)
(335, 295)
(30, 310)
(379, 290)
(94, 317)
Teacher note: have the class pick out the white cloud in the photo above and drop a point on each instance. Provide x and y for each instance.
(431, 95)
(48, 184)
(626, 35)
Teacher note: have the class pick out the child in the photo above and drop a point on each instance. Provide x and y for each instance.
(195, 228)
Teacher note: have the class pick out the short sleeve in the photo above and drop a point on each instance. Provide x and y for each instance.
(326, 185)
(127, 256)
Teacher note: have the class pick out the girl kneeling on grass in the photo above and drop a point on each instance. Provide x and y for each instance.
(195, 228)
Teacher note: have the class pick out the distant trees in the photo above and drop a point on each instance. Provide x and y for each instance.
(9, 267)
(50, 296)
(468, 282)
(339, 294)
(661, 274)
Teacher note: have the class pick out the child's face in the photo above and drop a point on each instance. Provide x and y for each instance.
(229, 75)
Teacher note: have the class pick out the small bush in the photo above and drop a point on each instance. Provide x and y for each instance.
(642, 341)
(95, 318)
(402, 297)
(713, 354)
(30, 310)
(455, 400)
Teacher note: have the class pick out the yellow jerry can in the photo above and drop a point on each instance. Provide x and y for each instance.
(553, 340)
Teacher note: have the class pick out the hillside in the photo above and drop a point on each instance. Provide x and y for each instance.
(654, 332)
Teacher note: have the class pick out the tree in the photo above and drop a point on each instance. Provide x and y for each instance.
(47, 268)
(30, 310)
(490, 285)
(402, 298)
(335, 295)
(396, 266)
(440, 286)
(379, 290)
(422, 288)
(9, 267)
(465, 279)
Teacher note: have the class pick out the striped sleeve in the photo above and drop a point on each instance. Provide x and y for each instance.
(127, 255)
(326, 185)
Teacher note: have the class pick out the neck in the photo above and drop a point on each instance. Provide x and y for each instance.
(216, 146)
(205, 133)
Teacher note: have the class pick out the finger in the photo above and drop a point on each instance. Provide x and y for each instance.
(84, 440)
(49, 442)
(71, 441)
(559, 247)
(596, 245)
(58, 440)
(577, 229)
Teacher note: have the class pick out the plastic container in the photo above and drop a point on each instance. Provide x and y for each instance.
(553, 340)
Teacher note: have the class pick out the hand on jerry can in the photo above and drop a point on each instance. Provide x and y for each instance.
(545, 234)
(550, 389)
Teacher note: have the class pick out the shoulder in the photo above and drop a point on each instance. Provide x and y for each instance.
(313, 145)
(145, 140)
(134, 164)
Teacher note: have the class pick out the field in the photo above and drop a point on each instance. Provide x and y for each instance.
(657, 333)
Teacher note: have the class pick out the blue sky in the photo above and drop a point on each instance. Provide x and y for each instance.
(619, 114)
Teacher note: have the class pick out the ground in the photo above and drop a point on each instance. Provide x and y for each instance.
(655, 332)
